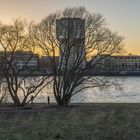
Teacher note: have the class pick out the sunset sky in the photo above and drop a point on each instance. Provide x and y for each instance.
(122, 16)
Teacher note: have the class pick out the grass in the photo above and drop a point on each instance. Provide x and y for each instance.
(77, 122)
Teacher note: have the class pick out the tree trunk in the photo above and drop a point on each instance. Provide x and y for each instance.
(63, 101)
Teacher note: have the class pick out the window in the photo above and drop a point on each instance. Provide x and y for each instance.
(79, 29)
(63, 29)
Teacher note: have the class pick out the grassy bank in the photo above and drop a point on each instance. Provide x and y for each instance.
(78, 122)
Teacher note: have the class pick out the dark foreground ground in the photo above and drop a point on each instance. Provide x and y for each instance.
(77, 122)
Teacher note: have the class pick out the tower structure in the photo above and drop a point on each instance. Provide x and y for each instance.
(70, 33)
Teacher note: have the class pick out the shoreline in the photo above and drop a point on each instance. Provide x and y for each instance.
(37, 107)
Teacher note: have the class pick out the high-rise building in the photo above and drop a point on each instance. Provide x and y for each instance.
(70, 33)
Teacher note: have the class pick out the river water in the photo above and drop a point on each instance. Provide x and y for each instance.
(128, 91)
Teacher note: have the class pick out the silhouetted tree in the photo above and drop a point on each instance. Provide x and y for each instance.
(16, 59)
(69, 77)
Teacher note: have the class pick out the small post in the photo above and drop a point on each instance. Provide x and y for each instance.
(32, 99)
(48, 98)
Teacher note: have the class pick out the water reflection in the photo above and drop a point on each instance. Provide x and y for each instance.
(128, 91)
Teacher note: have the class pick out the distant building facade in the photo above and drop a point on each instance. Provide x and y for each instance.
(107, 64)
(45, 62)
(126, 64)
(101, 63)
(70, 33)
(20, 59)
(27, 59)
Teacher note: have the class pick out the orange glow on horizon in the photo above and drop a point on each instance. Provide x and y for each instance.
(132, 46)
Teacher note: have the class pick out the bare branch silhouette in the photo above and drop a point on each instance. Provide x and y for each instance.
(75, 34)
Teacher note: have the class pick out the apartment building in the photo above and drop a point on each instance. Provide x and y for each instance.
(120, 64)
(128, 64)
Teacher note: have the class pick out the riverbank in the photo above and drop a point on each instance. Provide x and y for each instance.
(76, 122)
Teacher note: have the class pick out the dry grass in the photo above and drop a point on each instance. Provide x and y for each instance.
(80, 122)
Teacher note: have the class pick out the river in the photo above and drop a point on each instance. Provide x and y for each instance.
(127, 92)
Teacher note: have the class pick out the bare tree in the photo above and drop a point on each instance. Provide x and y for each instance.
(75, 34)
(18, 62)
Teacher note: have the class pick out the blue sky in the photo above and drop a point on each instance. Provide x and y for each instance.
(122, 16)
